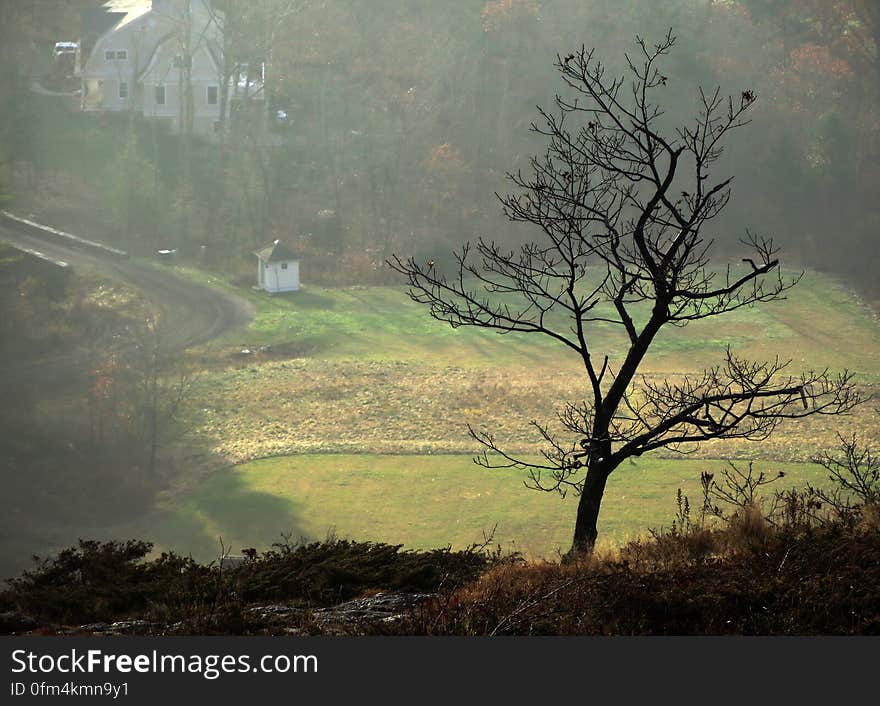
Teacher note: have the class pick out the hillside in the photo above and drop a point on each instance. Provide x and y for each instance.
(359, 403)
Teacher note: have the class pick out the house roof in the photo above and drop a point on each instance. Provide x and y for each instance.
(276, 252)
(118, 13)
(127, 5)
(97, 21)
(113, 14)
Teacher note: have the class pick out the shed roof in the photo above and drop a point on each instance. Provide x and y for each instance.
(276, 252)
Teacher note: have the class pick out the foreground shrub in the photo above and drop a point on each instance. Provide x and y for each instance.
(822, 580)
(97, 581)
(325, 573)
(111, 581)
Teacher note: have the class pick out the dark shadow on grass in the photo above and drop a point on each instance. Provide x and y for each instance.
(56, 496)
(61, 483)
(58, 488)
(242, 517)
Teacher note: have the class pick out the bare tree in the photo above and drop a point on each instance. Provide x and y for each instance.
(621, 204)
(159, 390)
(854, 471)
(249, 34)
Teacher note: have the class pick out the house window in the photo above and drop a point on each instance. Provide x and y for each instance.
(109, 55)
(122, 55)
(123, 90)
(160, 95)
(212, 95)
(283, 265)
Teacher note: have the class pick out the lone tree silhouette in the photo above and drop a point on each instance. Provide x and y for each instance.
(621, 207)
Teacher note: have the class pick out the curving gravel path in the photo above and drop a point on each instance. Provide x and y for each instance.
(192, 313)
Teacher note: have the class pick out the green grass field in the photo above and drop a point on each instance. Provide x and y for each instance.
(821, 325)
(423, 502)
(365, 370)
(354, 421)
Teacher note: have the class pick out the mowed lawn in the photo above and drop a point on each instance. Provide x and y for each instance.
(424, 502)
(821, 324)
(353, 419)
(365, 370)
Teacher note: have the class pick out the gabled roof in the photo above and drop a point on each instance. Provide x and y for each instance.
(97, 21)
(276, 252)
(132, 9)
(113, 14)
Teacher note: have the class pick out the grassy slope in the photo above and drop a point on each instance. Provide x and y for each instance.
(424, 501)
(366, 375)
(822, 324)
(372, 396)
(364, 370)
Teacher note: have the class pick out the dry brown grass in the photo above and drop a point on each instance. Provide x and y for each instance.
(315, 406)
(749, 578)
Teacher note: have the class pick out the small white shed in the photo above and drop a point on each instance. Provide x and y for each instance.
(278, 269)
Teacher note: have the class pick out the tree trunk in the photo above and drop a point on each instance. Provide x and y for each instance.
(585, 530)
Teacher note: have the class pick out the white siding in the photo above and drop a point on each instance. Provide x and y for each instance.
(163, 72)
(151, 46)
(279, 276)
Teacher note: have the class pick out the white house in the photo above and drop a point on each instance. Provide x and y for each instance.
(147, 55)
(278, 269)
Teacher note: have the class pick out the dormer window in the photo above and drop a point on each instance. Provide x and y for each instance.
(116, 55)
(122, 55)
(109, 55)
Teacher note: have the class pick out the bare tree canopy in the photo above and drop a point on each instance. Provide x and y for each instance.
(621, 204)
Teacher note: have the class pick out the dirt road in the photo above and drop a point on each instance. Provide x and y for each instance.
(192, 313)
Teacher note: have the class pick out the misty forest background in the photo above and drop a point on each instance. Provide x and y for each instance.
(402, 120)
(403, 117)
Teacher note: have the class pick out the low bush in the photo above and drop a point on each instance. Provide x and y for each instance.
(326, 573)
(112, 581)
